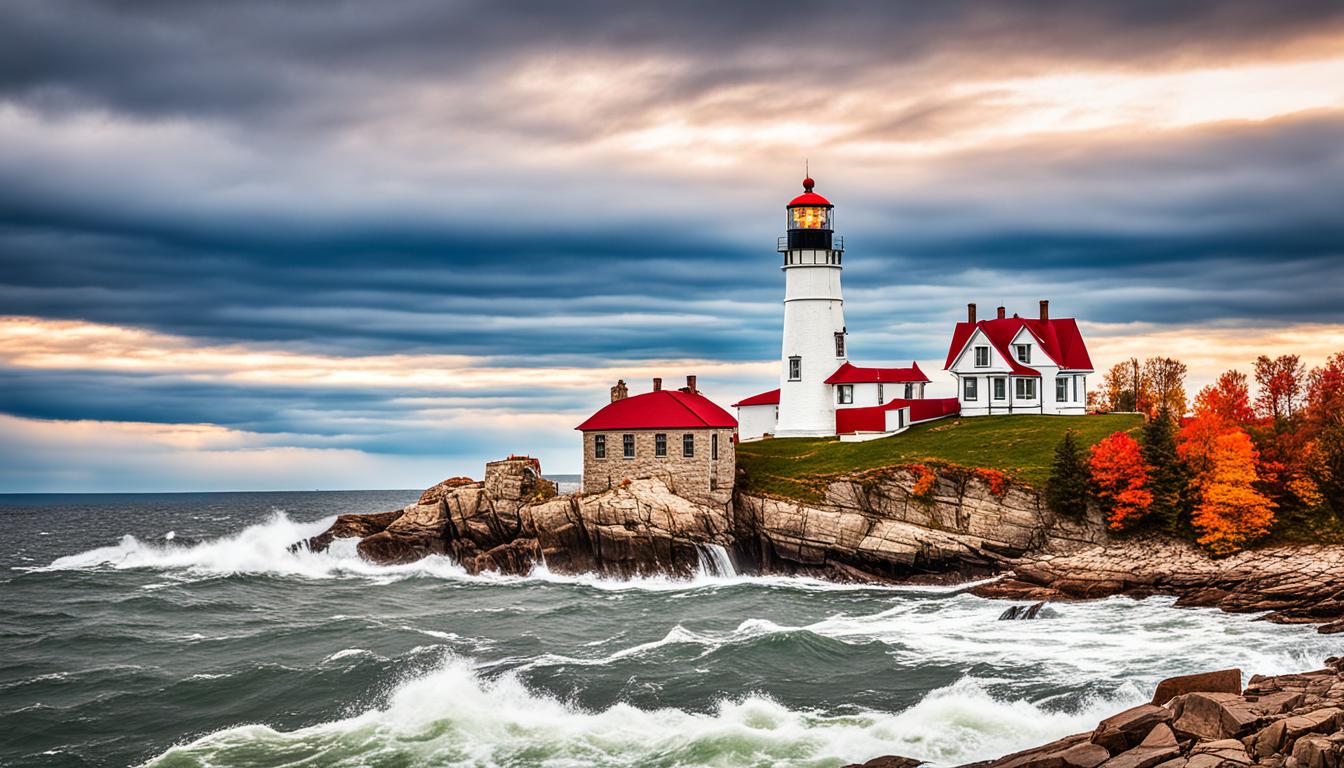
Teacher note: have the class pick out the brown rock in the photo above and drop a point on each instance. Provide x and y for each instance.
(1158, 746)
(1084, 755)
(1118, 733)
(888, 761)
(1315, 751)
(1214, 715)
(349, 527)
(1225, 753)
(1320, 721)
(1222, 681)
(1267, 741)
(1048, 756)
(440, 491)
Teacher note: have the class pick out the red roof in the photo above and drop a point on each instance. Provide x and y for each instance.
(1058, 338)
(664, 409)
(852, 374)
(874, 418)
(809, 198)
(765, 398)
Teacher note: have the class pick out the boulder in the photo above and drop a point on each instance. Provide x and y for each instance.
(348, 527)
(1224, 753)
(1267, 741)
(420, 531)
(1319, 721)
(1056, 754)
(1316, 751)
(1221, 681)
(440, 491)
(1214, 715)
(1158, 746)
(888, 761)
(1126, 730)
(1022, 612)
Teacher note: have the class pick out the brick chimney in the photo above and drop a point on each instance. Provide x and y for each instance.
(690, 384)
(657, 384)
(1002, 313)
(620, 391)
(1045, 309)
(970, 313)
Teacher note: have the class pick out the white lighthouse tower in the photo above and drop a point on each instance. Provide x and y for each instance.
(814, 317)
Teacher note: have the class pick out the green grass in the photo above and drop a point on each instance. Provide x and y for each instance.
(1021, 446)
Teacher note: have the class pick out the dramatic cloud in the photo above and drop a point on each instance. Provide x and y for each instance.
(396, 229)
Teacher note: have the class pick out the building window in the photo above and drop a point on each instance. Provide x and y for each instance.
(599, 446)
(688, 445)
(970, 388)
(909, 391)
(900, 418)
(1000, 389)
(881, 396)
(795, 369)
(628, 445)
(1023, 352)
(1025, 389)
(846, 394)
(660, 445)
(982, 357)
(1061, 390)
(840, 344)
(714, 446)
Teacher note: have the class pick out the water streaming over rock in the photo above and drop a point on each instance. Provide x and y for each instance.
(715, 561)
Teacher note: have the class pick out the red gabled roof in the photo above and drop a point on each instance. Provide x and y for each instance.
(1058, 338)
(852, 374)
(765, 398)
(664, 409)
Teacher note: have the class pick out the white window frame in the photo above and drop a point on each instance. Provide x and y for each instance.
(796, 368)
(1062, 389)
(1023, 353)
(970, 389)
(1024, 388)
(1000, 388)
(981, 352)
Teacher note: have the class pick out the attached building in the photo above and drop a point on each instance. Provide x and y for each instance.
(1019, 365)
(678, 436)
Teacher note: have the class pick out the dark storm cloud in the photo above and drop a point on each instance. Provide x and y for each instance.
(240, 59)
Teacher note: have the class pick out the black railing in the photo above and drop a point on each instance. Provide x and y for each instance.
(837, 244)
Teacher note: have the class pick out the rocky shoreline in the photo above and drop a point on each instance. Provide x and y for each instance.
(1204, 721)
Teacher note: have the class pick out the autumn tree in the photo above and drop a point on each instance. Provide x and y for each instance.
(1123, 387)
(1165, 378)
(1231, 513)
(1282, 384)
(1167, 477)
(1324, 424)
(1119, 480)
(1228, 398)
(1067, 490)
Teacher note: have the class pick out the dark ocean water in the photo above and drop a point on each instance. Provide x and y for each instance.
(176, 630)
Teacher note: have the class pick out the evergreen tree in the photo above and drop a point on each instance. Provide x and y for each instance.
(1167, 480)
(1066, 492)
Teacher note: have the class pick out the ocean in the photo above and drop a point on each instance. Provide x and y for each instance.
(177, 630)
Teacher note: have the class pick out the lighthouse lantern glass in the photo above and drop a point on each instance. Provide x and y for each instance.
(810, 217)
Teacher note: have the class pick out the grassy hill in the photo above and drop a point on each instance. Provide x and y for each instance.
(1021, 446)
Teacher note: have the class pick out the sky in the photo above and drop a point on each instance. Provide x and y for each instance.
(257, 245)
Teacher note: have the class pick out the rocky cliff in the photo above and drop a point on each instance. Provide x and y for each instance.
(898, 524)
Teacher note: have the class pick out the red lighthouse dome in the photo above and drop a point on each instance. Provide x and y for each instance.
(809, 197)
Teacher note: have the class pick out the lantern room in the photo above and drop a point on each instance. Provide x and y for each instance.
(810, 219)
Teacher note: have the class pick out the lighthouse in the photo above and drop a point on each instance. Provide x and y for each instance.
(814, 317)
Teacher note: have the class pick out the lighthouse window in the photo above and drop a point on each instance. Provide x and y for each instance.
(795, 369)
(628, 445)
(809, 217)
(846, 392)
(840, 344)
(599, 446)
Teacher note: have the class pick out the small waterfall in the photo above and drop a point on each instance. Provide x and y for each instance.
(715, 561)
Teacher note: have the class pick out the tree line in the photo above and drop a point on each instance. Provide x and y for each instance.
(1232, 471)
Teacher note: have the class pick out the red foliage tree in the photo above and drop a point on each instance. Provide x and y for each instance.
(1120, 477)
(1231, 512)
(1282, 382)
(1228, 398)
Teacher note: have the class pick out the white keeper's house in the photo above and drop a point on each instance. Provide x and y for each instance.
(1019, 365)
(822, 394)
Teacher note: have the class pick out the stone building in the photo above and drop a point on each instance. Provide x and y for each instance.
(678, 436)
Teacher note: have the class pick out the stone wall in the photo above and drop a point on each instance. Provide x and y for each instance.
(699, 477)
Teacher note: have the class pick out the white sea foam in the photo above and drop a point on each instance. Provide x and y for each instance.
(454, 717)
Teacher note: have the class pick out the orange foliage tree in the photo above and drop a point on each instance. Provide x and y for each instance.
(1120, 477)
(1231, 512)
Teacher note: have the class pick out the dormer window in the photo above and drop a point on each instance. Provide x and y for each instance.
(1023, 352)
(982, 357)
